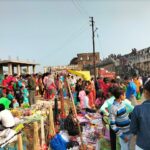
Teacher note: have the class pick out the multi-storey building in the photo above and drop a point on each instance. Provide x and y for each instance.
(135, 62)
(85, 61)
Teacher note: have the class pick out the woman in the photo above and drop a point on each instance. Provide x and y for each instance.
(90, 87)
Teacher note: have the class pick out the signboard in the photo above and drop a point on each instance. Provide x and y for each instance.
(106, 74)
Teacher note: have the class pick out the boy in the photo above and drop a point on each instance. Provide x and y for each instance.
(119, 120)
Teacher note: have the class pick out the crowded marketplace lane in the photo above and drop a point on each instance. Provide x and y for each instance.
(67, 111)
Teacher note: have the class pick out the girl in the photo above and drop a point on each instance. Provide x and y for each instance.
(25, 95)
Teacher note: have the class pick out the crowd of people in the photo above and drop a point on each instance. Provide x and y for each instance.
(115, 99)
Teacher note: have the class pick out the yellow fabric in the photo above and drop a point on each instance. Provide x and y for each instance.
(138, 84)
(19, 127)
(84, 74)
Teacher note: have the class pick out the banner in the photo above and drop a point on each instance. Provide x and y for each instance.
(106, 74)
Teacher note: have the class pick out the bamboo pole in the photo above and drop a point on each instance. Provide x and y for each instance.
(36, 144)
(51, 122)
(20, 144)
(75, 113)
(43, 143)
(63, 115)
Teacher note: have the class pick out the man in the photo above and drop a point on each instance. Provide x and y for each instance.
(140, 121)
(31, 88)
(6, 118)
(131, 90)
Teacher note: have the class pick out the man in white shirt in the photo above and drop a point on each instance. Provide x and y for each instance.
(6, 118)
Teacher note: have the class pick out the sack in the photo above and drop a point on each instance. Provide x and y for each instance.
(58, 143)
(71, 125)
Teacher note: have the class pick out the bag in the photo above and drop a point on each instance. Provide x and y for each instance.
(71, 125)
(58, 143)
(72, 144)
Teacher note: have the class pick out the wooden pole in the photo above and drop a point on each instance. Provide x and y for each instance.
(36, 144)
(51, 122)
(75, 113)
(62, 104)
(20, 144)
(43, 143)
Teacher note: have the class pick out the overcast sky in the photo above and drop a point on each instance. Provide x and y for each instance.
(52, 32)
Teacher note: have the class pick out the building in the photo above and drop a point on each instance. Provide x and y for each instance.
(136, 62)
(140, 60)
(61, 68)
(84, 61)
(12, 64)
(87, 58)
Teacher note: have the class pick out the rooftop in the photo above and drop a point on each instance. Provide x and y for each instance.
(17, 62)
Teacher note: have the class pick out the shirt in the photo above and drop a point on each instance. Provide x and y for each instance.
(140, 124)
(10, 97)
(81, 96)
(131, 90)
(5, 102)
(31, 84)
(119, 120)
(7, 118)
(108, 103)
(86, 102)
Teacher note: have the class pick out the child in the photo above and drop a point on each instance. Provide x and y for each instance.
(119, 119)
(18, 94)
(81, 96)
(25, 94)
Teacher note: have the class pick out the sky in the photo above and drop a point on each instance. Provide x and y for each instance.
(52, 32)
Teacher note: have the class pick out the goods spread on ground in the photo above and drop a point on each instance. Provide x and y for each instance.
(38, 128)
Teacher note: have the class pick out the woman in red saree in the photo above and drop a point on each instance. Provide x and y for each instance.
(92, 95)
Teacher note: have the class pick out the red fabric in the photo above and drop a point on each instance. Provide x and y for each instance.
(4, 84)
(105, 88)
(91, 95)
(52, 86)
(101, 83)
(10, 87)
(99, 102)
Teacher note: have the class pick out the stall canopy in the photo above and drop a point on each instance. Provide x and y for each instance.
(84, 74)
